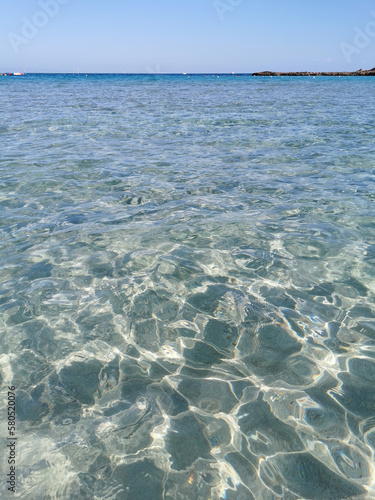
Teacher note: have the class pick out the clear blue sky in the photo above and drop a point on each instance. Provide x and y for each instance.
(140, 36)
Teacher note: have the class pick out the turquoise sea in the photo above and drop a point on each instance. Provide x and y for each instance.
(187, 280)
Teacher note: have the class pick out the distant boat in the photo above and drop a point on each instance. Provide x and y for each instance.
(15, 74)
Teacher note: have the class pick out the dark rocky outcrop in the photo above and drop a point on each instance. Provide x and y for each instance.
(360, 72)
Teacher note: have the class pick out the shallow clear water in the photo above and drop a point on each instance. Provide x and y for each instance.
(187, 286)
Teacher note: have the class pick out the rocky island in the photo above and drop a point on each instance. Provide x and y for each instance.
(360, 72)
